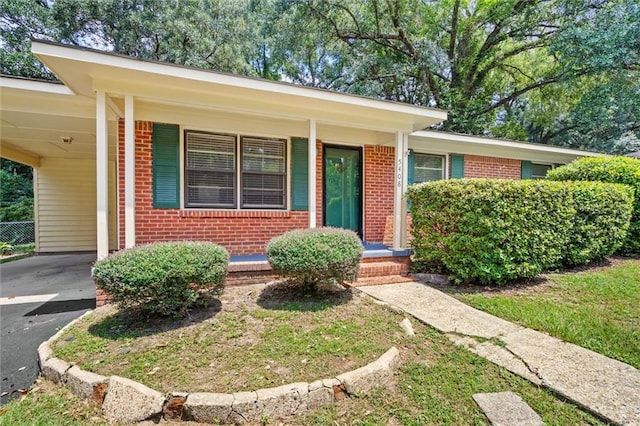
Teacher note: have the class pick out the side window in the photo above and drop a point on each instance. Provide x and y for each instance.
(539, 171)
(428, 167)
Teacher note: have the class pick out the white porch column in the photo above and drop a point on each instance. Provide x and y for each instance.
(312, 173)
(102, 175)
(400, 187)
(129, 174)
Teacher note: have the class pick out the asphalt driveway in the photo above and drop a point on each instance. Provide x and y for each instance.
(38, 296)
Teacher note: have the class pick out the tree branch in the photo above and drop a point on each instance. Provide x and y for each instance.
(518, 93)
(454, 30)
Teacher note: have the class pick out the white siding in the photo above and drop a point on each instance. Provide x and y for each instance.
(66, 205)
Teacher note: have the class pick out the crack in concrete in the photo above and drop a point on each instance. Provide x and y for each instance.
(232, 411)
(531, 369)
(481, 341)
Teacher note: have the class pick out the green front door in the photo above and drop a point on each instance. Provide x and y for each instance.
(342, 188)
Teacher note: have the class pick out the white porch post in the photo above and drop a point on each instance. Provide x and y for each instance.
(400, 187)
(102, 175)
(129, 174)
(312, 173)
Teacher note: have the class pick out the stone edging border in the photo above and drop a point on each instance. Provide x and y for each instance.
(127, 401)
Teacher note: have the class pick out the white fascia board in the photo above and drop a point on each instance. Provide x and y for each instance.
(453, 138)
(34, 85)
(43, 50)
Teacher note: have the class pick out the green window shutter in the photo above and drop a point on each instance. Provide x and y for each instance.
(166, 165)
(299, 174)
(526, 170)
(410, 167)
(457, 166)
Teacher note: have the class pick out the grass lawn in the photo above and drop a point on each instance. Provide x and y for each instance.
(14, 252)
(264, 338)
(49, 405)
(598, 308)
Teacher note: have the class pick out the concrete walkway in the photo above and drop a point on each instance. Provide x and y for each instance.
(606, 387)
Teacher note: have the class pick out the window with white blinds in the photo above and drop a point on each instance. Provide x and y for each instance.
(210, 176)
(428, 168)
(264, 168)
(213, 171)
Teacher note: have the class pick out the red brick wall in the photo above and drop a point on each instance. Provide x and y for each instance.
(491, 167)
(240, 232)
(378, 190)
(246, 232)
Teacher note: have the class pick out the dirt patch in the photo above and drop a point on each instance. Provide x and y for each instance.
(253, 337)
(540, 284)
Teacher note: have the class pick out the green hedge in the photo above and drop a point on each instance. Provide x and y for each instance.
(492, 231)
(601, 223)
(313, 256)
(164, 278)
(624, 170)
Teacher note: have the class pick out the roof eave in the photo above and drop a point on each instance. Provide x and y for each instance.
(455, 137)
(56, 56)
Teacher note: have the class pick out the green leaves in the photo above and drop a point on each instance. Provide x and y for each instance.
(622, 170)
(563, 72)
(316, 255)
(493, 231)
(164, 278)
(16, 192)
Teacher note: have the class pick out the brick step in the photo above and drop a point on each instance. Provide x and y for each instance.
(379, 269)
(242, 273)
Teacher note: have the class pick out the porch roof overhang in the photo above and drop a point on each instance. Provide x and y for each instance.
(444, 143)
(36, 115)
(85, 71)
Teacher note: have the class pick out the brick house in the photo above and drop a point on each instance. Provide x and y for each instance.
(128, 152)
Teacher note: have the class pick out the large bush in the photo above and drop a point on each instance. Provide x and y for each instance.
(601, 223)
(623, 170)
(164, 278)
(493, 231)
(313, 256)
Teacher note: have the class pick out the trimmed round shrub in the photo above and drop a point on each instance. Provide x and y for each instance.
(313, 256)
(624, 170)
(164, 278)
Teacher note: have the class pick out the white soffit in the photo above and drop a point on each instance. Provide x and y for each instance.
(36, 115)
(86, 70)
(442, 142)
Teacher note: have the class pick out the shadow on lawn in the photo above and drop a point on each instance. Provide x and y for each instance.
(133, 323)
(473, 288)
(289, 296)
(526, 285)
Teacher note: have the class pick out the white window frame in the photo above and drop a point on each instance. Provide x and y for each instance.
(536, 163)
(444, 169)
(238, 171)
(241, 174)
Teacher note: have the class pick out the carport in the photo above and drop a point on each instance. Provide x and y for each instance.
(46, 126)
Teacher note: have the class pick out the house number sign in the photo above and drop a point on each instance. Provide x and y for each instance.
(399, 173)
